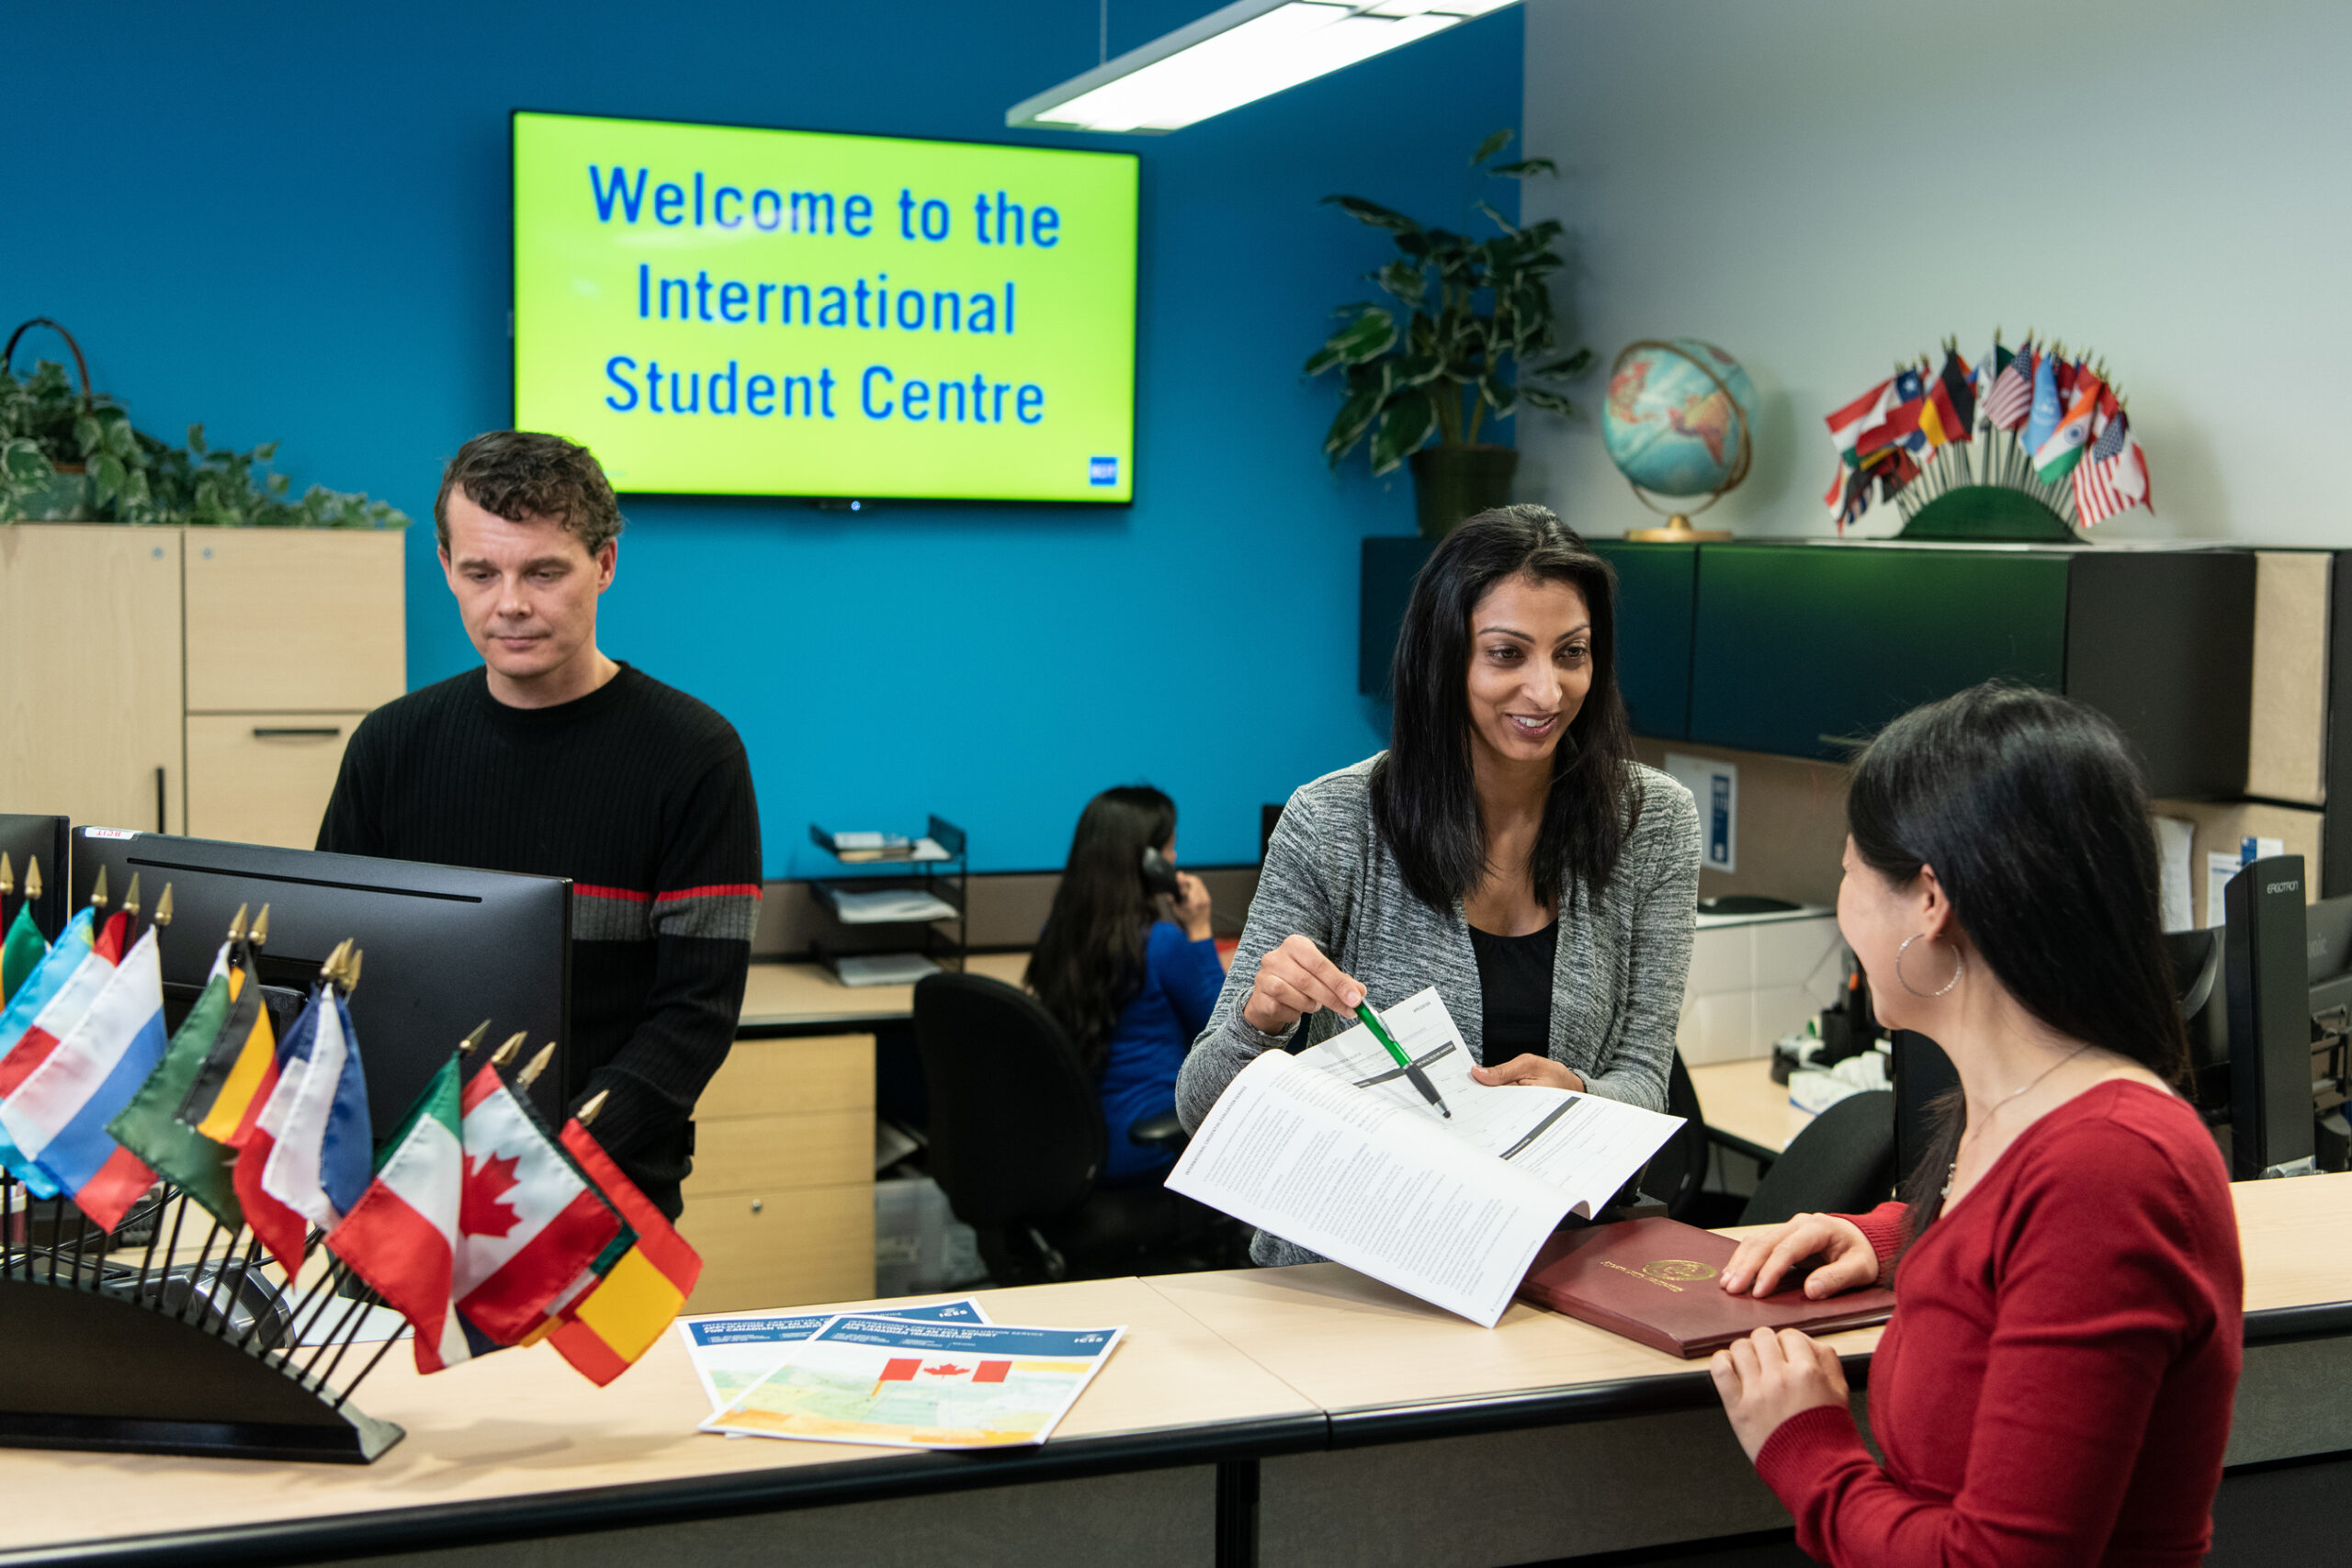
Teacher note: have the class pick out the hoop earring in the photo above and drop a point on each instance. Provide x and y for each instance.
(1958, 967)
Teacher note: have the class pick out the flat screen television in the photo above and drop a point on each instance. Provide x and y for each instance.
(725, 311)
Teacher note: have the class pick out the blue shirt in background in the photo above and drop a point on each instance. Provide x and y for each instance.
(1180, 982)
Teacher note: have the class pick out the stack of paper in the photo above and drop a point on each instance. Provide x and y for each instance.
(883, 969)
(858, 849)
(730, 1351)
(886, 905)
(901, 1381)
(1333, 1150)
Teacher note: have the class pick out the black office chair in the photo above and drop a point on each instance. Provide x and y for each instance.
(1678, 1171)
(1841, 1163)
(1017, 1142)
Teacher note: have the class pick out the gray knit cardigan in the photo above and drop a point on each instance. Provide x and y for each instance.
(1617, 975)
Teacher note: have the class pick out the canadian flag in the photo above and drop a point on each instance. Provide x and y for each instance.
(914, 1369)
(528, 1225)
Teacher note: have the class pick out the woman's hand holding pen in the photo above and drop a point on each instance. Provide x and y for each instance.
(1293, 980)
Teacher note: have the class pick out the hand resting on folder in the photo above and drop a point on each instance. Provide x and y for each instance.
(1847, 1260)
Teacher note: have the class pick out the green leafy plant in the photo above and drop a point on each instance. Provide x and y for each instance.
(1460, 334)
(56, 452)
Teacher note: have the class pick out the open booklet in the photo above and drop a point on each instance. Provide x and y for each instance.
(1334, 1150)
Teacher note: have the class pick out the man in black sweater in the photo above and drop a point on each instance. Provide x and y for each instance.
(556, 760)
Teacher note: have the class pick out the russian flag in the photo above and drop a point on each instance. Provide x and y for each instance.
(42, 1002)
(58, 1115)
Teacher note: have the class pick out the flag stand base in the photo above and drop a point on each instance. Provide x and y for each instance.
(1989, 513)
(85, 1369)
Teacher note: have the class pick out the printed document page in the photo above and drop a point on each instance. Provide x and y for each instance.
(1346, 1173)
(732, 1351)
(922, 1385)
(1586, 1146)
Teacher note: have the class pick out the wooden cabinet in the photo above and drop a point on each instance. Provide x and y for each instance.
(90, 708)
(264, 778)
(780, 1204)
(295, 620)
(200, 680)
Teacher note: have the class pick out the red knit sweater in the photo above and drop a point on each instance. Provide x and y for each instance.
(2056, 1385)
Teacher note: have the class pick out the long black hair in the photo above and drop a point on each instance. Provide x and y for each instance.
(2034, 814)
(1088, 964)
(1424, 800)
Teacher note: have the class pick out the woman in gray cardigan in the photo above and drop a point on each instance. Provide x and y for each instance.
(1506, 848)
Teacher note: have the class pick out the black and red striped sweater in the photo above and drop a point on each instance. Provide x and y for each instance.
(642, 797)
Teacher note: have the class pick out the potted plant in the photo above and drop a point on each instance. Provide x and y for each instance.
(69, 457)
(1457, 340)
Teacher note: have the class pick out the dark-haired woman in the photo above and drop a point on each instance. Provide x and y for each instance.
(2055, 1386)
(1132, 988)
(1506, 848)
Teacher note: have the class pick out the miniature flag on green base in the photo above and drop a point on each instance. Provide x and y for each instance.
(21, 954)
(401, 1237)
(620, 1312)
(528, 1224)
(174, 1150)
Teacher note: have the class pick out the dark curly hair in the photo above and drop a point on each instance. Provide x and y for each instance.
(515, 473)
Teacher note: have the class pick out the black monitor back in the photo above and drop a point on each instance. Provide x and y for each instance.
(25, 839)
(446, 947)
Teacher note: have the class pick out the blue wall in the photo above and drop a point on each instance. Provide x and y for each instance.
(290, 223)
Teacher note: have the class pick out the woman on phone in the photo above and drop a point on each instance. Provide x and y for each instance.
(1506, 848)
(1130, 973)
(2055, 1386)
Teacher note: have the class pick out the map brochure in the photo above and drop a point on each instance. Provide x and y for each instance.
(909, 1385)
(732, 1351)
(1334, 1149)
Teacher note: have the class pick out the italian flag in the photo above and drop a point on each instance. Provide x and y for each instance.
(528, 1224)
(401, 1237)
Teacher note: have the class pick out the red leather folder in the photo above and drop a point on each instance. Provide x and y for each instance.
(1661, 1281)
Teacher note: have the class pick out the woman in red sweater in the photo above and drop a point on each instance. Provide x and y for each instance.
(2056, 1385)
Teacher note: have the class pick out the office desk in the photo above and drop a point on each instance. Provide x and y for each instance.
(804, 998)
(1559, 1438)
(1745, 1110)
(1302, 1416)
(517, 1446)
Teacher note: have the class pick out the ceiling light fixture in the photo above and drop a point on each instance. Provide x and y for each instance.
(1235, 56)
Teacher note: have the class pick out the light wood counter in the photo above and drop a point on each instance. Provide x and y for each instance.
(1350, 1343)
(795, 995)
(1745, 1108)
(521, 1423)
(1327, 1417)
(2294, 1232)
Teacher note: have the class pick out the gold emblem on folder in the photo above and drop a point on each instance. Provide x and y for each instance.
(1678, 1269)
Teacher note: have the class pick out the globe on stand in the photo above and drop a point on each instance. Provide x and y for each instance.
(1676, 423)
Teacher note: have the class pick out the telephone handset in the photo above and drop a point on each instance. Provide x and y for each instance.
(1159, 875)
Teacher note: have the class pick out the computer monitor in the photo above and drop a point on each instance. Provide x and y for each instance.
(25, 839)
(446, 947)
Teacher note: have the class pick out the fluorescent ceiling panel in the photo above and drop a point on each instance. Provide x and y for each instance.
(1236, 56)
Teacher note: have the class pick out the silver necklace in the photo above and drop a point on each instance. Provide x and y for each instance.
(1953, 1169)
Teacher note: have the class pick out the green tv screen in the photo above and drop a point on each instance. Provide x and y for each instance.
(722, 311)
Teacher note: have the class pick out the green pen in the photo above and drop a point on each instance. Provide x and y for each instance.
(1413, 1075)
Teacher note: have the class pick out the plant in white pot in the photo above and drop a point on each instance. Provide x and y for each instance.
(1467, 332)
